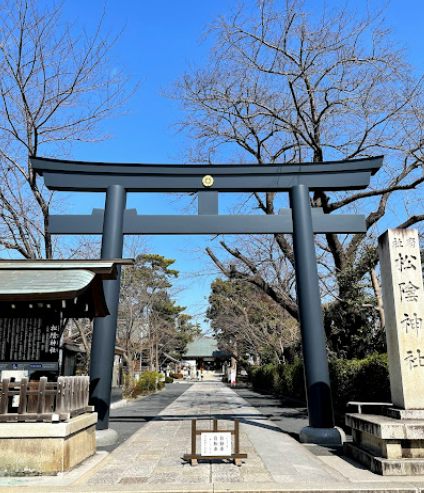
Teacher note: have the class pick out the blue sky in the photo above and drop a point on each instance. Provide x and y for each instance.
(159, 41)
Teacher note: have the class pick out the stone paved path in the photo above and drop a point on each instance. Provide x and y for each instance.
(130, 418)
(153, 455)
(150, 460)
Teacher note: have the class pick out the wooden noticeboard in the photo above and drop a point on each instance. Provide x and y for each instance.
(32, 342)
(215, 444)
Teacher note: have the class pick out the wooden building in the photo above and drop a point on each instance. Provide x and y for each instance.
(37, 298)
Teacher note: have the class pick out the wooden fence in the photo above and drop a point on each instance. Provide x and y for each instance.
(44, 401)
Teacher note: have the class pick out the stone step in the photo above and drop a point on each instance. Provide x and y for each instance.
(386, 467)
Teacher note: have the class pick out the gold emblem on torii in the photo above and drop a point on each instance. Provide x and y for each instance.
(207, 181)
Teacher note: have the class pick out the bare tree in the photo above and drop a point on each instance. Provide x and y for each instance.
(248, 323)
(133, 321)
(55, 87)
(283, 86)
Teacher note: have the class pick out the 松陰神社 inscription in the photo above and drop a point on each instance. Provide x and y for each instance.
(403, 305)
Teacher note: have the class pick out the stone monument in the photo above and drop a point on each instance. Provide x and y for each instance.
(392, 443)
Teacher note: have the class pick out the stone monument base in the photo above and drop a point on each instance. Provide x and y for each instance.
(390, 446)
(46, 448)
(106, 437)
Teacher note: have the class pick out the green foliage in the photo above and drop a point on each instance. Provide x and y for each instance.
(155, 272)
(186, 332)
(351, 324)
(264, 378)
(360, 380)
(282, 380)
(350, 380)
(147, 383)
(169, 380)
(291, 380)
(343, 378)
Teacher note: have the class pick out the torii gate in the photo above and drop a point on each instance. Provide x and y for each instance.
(301, 220)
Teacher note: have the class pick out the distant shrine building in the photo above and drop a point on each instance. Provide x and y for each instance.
(203, 355)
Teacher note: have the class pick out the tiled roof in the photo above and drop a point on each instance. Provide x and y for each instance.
(72, 287)
(106, 268)
(38, 283)
(203, 347)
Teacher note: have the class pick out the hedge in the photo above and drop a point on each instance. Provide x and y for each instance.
(351, 380)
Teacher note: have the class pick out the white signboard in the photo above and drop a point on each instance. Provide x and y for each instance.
(215, 444)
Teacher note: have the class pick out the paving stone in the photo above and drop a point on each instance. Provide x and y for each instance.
(105, 479)
(139, 470)
(225, 479)
(165, 477)
(256, 478)
(170, 462)
(112, 471)
(150, 452)
(133, 480)
(170, 469)
(246, 470)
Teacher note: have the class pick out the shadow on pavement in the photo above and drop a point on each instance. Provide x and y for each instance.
(127, 420)
(288, 415)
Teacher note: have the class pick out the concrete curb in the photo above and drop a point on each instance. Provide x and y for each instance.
(128, 402)
(223, 488)
(121, 403)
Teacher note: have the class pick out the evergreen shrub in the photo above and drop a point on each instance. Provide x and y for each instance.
(264, 378)
(291, 382)
(351, 380)
(147, 382)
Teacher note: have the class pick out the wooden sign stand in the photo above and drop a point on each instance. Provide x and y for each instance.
(194, 457)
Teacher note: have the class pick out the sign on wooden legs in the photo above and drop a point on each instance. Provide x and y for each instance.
(212, 443)
(215, 444)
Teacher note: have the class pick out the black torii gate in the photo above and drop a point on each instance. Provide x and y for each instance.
(300, 220)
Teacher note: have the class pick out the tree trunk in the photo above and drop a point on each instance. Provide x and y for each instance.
(379, 298)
